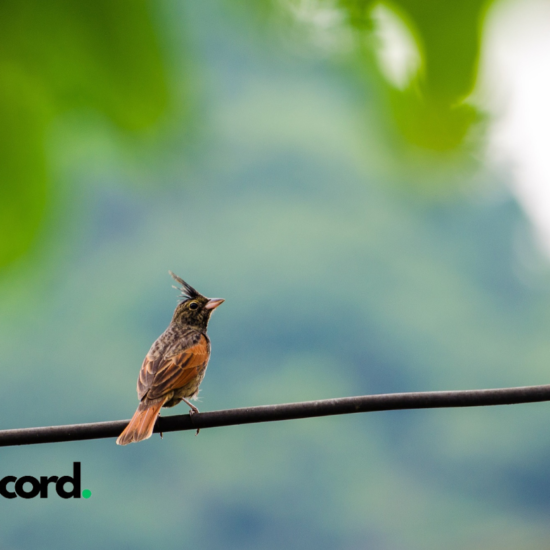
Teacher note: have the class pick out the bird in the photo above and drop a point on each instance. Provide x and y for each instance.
(174, 367)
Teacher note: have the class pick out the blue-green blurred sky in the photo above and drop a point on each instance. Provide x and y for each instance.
(277, 180)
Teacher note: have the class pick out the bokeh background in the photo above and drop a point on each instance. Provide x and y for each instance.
(366, 186)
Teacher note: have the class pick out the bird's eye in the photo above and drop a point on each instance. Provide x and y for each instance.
(193, 305)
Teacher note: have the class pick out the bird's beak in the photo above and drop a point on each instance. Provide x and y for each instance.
(213, 303)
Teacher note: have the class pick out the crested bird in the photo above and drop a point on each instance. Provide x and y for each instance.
(174, 367)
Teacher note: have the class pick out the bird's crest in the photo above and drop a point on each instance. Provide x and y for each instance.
(187, 291)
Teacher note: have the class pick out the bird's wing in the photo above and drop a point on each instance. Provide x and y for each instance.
(174, 369)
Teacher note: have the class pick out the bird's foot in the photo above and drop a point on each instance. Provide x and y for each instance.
(192, 410)
(191, 406)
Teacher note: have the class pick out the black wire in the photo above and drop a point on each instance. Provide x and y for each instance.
(290, 411)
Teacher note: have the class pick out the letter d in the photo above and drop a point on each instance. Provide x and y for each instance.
(75, 480)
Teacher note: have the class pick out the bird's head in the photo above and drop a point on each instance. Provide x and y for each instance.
(194, 309)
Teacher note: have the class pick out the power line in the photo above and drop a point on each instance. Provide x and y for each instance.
(289, 411)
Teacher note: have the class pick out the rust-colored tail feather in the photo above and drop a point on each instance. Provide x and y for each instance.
(142, 424)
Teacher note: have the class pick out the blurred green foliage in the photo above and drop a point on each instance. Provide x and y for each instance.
(105, 56)
(430, 113)
(101, 55)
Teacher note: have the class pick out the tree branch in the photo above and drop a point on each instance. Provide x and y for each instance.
(290, 411)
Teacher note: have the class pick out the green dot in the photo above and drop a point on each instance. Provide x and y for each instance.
(86, 493)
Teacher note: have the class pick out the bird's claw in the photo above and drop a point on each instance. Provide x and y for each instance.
(192, 412)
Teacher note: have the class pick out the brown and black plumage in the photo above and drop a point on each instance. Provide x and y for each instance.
(174, 367)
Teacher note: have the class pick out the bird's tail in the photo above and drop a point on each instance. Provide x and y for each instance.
(142, 423)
